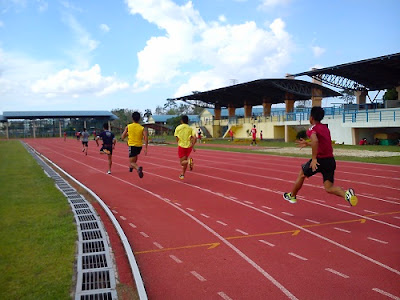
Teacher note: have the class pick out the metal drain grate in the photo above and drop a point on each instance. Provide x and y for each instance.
(92, 235)
(94, 261)
(102, 296)
(96, 280)
(83, 205)
(83, 211)
(89, 226)
(86, 218)
(92, 247)
(93, 250)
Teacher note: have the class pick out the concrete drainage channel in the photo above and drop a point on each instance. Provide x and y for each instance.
(95, 272)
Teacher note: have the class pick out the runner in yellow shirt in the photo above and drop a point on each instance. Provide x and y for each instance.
(136, 134)
(186, 138)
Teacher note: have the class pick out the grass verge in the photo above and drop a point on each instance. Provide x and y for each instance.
(37, 234)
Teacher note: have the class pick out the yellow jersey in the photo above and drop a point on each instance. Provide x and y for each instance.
(184, 132)
(135, 135)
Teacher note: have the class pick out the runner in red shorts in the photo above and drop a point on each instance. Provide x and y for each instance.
(186, 138)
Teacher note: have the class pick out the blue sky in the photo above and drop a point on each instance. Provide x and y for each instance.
(101, 55)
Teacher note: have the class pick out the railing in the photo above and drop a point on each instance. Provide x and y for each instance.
(372, 116)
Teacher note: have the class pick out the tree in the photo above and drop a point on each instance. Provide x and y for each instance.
(159, 110)
(347, 96)
(147, 114)
(390, 94)
(173, 122)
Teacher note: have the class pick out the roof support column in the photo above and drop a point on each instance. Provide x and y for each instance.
(7, 131)
(59, 127)
(289, 103)
(316, 93)
(231, 111)
(361, 97)
(34, 129)
(247, 110)
(109, 125)
(217, 112)
(266, 107)
(84, 124)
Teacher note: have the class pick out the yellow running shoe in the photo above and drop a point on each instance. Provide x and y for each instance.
(351, 197)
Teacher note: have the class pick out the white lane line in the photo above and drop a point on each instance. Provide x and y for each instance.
(312, 221)
(288, 214)
(297, 256)
(266, 243)
(144, 234)
(132, 225)
(176, 203)
(396, 217)
(341, 229)
(376, 240)
(337, 273)
(266, 207)
(248, 202)
(319, 200)
(158, 245)
(222, 223)
(224, 296)
(392, 198)
(190, 209)
(371, 212)
(177, 260)
(123, 218)
(114, 211)
(233, 198)
(205, 216)
(343, 205)
(386, 294)
(198, 276)
(242, 232)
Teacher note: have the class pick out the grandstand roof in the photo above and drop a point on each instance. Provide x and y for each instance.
(255, 92)
(373, 74)
(32, 115)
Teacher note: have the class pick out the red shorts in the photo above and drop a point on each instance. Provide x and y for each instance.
(184, 151)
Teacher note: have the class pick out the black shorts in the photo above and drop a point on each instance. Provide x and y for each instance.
(326, 167)
(134, 151)
(107, 147)
(85, 144)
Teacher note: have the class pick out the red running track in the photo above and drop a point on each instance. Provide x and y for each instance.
(226, 233)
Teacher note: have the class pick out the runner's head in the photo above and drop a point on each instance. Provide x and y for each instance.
(84, 129)
(136, 116)
(317, 113)
(105, 126)
(185, 119)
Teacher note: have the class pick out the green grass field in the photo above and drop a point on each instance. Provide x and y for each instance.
(37, 230)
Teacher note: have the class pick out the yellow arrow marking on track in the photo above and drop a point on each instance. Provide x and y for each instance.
(293, 232)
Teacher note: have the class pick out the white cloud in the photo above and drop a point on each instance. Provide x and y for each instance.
(271, 4)
(222, 18)
(318, 51)
(242, 51)
(42, 5)
(104, 28)
(74, 82)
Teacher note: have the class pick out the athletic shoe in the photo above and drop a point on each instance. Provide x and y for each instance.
(191, 164)
(351, 197)
(108, 172)
(181, 177)
(140, 172)
(289, 197)
(130, 169)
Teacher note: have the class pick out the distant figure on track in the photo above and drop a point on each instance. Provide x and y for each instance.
(65, 136)
(85, 141)
(322, 160)
(136, 134)
(186, 138)
(108, 144)
(254, 135)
